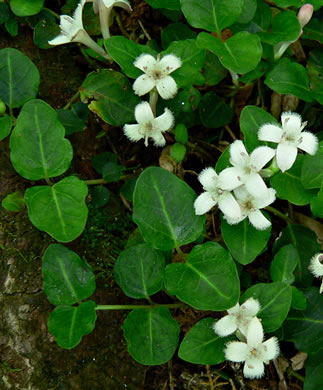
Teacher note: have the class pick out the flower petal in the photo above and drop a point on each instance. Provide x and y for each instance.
(285, 156)
(270, 132)
(316, 265)
(238, 154)
(241, 193)
(203, 203)
(291, 122)
(132, 132)
(235, 309)
(253, 368)
(236, 351)
(255, 185)
(258, 220)
(60, 40)
(144, 62)
(166, 87)
(143, 84)
(250, 307)
(270, 349)
(118, 3)
(158, 138)
(255, 333)
(266, 200)
(208, 178)
(229, 206)
(225, 326)
(309, 142)
(143, 112)
(165, 121)
(261, 156)
(170, 62)
(230, 178)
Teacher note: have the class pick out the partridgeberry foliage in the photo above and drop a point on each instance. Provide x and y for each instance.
(216, 65)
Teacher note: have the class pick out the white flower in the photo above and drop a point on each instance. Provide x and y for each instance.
(289, 137)
(316, 267)
(103, 8)
(238, 317)
(214, 194)
(246, 168)
(72, 30)
(250, 207)
(255, 352)
(156, 75)
(148, 125)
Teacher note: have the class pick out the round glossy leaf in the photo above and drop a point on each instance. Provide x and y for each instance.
(202, 346)
(208, 280)
(176, 32)
(59, 210)
(305, 242)
(113, 98)
(100, 196)
(67, 279)
(314, 30)
(248, 11)
(211, 15)
(4, 12)
(178, 152)
(314, 369)
(299, 301)
(124, 52)
(100, 160)
(275, 300)
(26, 8)
(241, 53)
(139, 271)
(44, 31)
(163, 210)
(5, 126)
(128, 187)
(284, 264)
(312, 169)
(251, 119)
(181, 134)
(152, 335)
(214, 112)
(19, 78)
(70, 121)
(304, 328)
(38, 147)
(290, 78)
(288, 185)
(14, 202)
(213, 71)
(244, 242)
(68, 324)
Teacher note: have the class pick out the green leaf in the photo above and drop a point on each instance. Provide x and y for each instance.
(214, 112)
(290, 78)
(26, 8)
(128, 187)
(312, 169)
(314, 369)
(4, 12)
(213, 71)
(167, 4)
(299, 301)
(68, 324)
(192, 58)
(139, 271)
(38, 147)
(181, 134)
(112, 172)
(284, 264)
(59, 210)
(211, 15)
(298, 3)
(100, 196)
(202, 346)
(152, 335)
(163, 210)
(304, 328)
(19, 78)
(241, 53)
(314, 30)
(100, 160)
(210, 273)
(288, 185)
(262, 18)
(113, 98)
(317, 204)
(315, 70)
(244, 242)
(44, 31)
(305, 242)
(251, 119)
(70, 121)
(66, 278)
(11, 25)
(5, 126)
(176, 32)
(275, 301)
(124, 52)
(14, 202)
(285, 27)
(255, 74)
(177, 152)
(248, 11)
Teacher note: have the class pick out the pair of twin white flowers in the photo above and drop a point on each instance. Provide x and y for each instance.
(244, 178)
(252, 350)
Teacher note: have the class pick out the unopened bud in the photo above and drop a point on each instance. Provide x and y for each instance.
(305, 14)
